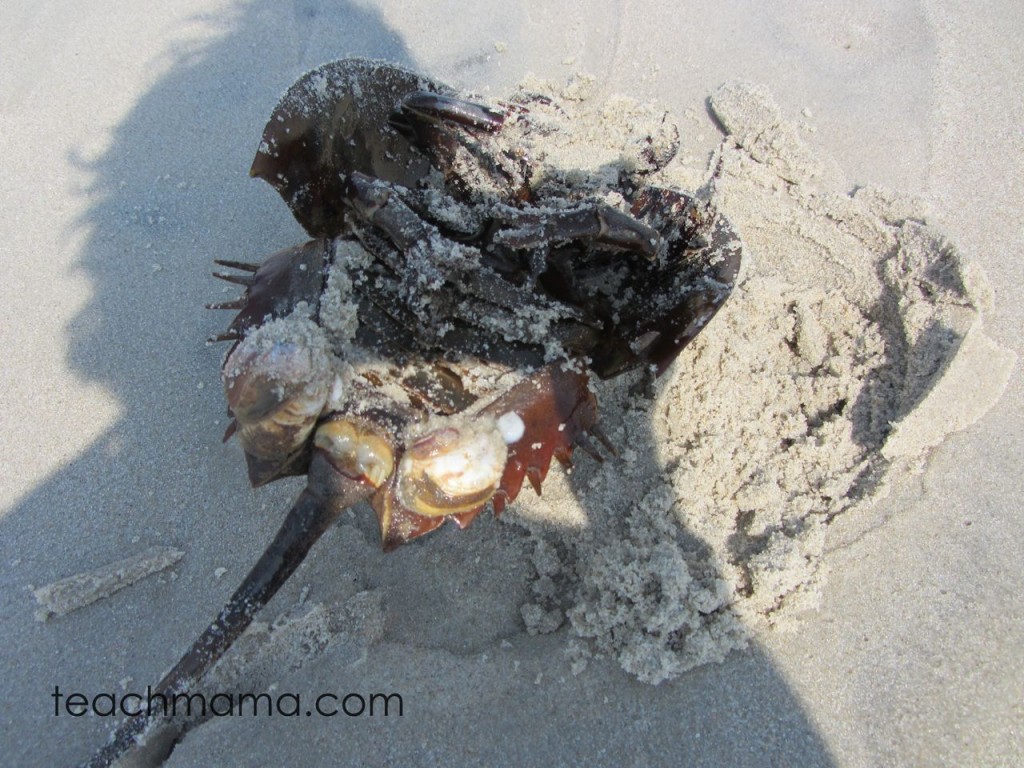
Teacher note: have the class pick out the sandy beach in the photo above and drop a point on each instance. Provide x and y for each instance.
(854, 601)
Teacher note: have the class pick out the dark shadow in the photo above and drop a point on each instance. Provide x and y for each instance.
(173, 182)
(910, 369)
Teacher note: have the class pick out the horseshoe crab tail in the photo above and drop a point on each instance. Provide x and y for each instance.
(310, 516)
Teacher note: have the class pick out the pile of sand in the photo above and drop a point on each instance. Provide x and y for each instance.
(850, 347)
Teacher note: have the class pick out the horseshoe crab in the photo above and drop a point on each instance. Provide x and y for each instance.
(430, 347)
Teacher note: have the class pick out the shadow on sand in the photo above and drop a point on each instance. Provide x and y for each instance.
(170, 195)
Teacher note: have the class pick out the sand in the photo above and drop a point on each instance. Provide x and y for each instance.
(82, 589)
(831, 371)
(128, 134)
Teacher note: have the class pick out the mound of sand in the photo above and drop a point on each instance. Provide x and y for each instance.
(852, 345)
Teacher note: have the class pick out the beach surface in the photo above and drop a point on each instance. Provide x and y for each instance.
(849, 599)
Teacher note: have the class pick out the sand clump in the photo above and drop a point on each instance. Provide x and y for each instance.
(79, 590)
(851, 345)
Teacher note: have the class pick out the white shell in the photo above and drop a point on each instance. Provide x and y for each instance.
(511, 427)
(454, 467)
(472, 464)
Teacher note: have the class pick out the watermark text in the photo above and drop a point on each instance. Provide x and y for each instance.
(224, 704)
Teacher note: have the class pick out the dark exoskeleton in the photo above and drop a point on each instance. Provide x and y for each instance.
(429, 349)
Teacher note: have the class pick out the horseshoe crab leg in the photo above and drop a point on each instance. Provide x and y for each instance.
(600, 223)
(438, 108)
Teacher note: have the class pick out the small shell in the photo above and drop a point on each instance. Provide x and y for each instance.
(276, 392)
(356, 451)
(453, 468)
(511, 427)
